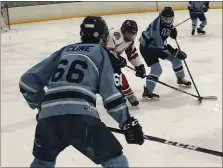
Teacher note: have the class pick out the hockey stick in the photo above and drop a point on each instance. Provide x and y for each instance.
(177, 144)
(182, 22)
(189, 73)
(177, 89)
(187, 20)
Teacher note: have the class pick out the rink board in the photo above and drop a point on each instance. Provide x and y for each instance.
(18, 15)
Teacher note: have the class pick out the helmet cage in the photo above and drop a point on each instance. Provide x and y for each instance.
(129, 36)
(167, 20)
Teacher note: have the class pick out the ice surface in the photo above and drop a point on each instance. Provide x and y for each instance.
(177, 117)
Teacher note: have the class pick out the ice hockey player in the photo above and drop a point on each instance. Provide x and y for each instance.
(152, 48)
(68, 114)
(197, 10)
(122, 40)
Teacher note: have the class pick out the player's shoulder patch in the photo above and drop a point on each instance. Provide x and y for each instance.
(117, 35)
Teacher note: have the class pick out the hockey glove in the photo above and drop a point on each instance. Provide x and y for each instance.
(140, 71)
(180, 54)
(122, 61)
(170, 49)
(173, 33)
(133, 131)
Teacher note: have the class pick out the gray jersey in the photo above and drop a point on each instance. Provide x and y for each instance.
(155, 35)
(73, 76)
(198, 6)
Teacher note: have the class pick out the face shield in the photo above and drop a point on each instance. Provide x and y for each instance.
(167, 20)
(104, 39)
(128, 36)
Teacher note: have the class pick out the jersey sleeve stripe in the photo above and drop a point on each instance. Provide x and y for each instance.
(114, 103)
(21, 83)
(117, 109)
(108, 99)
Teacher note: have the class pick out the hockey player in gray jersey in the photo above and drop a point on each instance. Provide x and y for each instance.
(197, 10)
(153, 47)
(68, 116)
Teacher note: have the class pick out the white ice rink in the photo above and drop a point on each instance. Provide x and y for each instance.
(176, 117)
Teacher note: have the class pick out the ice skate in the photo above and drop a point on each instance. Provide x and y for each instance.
(148, 95)
(193, 32)
(199, 31)
(183, 82)
(132, 100)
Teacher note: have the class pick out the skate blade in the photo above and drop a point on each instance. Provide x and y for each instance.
(134, 104)
(146, 99)
(184, 86)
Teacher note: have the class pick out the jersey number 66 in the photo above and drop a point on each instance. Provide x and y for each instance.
(118, 79)
(70, 71)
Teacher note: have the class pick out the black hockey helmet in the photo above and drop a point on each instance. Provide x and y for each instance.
(129, 30)
(94, 30)
(167, 16)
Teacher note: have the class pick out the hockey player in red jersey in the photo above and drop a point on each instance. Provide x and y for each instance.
(122, 40)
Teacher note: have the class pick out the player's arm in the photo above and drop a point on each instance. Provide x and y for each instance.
(133, 55)
(155, 32)
(135, 60)
(110, 90)
(33, 81)
(114, 102)
(110, 42)
(111, 46)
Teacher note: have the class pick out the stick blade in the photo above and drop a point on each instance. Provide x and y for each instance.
(210, 98)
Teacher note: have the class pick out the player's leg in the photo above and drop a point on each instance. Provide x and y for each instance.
(179, 71)
(47, 144)
(151, 79)
(119, 161)
(92, 138)
(128, 93)
(203, 20)
(151, 57)
(42, 164)
(194, 20)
